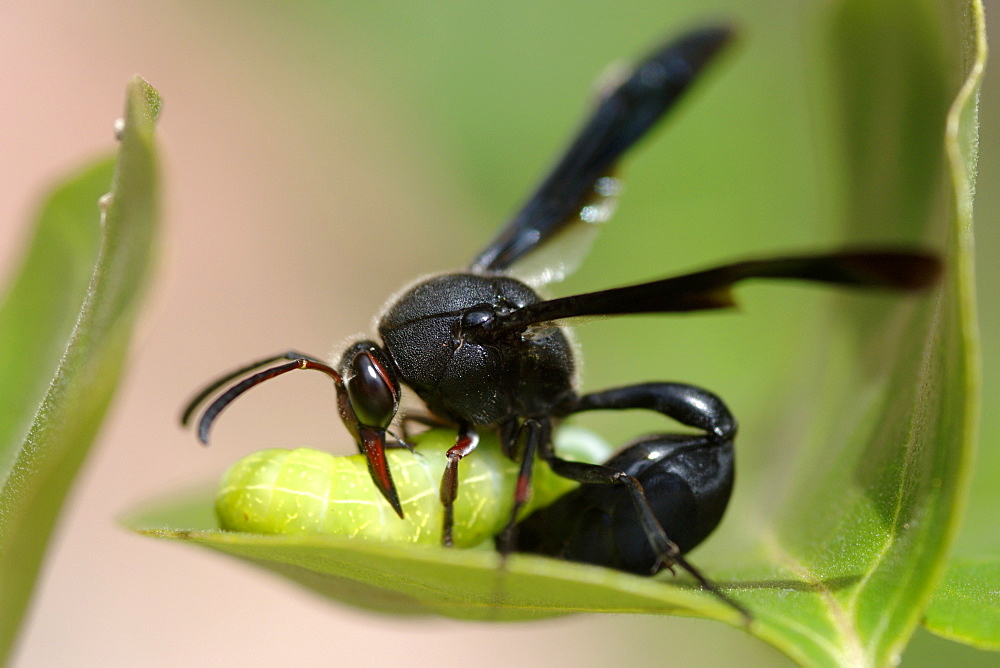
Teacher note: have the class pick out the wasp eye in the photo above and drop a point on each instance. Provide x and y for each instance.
(372, 394)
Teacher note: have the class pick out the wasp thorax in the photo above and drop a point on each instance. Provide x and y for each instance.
(476, 324)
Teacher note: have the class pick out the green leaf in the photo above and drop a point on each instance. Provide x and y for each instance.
(843, 571)
(966, 605)
(465, 584)
(872, 524)
(64, 328)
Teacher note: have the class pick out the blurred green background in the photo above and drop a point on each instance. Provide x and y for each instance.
(321, 154)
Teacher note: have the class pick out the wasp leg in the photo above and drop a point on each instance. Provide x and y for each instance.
(404, 440)
(687, 404)
(530, 437)
(689, 476)
(466, 442)
(508, 432)
(399, 443)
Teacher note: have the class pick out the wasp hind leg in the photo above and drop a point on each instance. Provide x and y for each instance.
(617, 517)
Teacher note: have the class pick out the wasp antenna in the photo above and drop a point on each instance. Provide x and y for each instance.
(297, 361)
(192, 406)
(236, 390)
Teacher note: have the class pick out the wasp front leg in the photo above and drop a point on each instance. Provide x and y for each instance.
(468, 439)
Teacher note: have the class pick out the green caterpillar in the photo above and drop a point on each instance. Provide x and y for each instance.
(308, 491)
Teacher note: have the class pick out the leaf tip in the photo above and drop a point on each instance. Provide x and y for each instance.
(142, 105)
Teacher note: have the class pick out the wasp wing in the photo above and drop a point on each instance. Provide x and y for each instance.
(579, 188)
(712, 288)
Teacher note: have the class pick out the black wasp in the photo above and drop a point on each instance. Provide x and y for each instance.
(481, 350)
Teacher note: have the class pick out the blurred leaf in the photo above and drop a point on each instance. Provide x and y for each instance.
(843, 575)
(966, 605)
(882, 508)
(64, 328)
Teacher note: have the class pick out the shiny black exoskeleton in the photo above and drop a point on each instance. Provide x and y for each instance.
(687, 480)
(441, 337)
(481, 350)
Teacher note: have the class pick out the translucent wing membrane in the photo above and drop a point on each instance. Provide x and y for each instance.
(577, 190)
